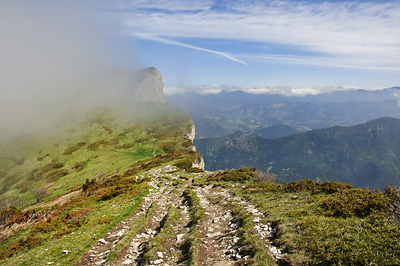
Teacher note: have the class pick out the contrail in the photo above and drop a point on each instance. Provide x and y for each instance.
(167, 41)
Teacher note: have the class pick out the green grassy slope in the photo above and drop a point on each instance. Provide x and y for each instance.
(64, 190)
(320, 223)
(95, 175)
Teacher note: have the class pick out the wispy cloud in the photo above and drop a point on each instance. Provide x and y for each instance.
(359, 34)
(172, 42)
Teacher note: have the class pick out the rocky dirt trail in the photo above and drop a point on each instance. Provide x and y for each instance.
(218, 230)
(156, 233)
(165, 194)
(218, 238)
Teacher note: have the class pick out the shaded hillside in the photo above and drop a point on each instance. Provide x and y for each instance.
(366, 155)
(274, 132)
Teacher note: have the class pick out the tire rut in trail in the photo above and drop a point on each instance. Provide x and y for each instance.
(218, 238)
(266, 231)
(166, 200)
(99, 252)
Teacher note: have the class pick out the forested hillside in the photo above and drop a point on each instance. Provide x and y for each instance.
(366, 155)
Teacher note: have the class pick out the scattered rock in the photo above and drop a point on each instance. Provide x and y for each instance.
(102, 241)
(158, 261)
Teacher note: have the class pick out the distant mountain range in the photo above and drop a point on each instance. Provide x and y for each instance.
(365, 155)
(217, 115)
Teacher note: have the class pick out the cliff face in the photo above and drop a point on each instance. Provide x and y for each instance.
(149, 86)
(199, 161)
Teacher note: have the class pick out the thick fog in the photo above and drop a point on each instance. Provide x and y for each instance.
(56, 59)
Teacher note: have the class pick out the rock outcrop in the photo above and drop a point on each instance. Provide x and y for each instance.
(199, 161)
(149, 86)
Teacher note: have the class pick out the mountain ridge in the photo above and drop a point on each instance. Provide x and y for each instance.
(217, 115)
(364, 155)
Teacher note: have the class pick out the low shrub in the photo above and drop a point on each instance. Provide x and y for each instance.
(74, 148)
(55, 174)
(124, 146)
(169, 147)
(51, 166)
(315, 187)
(360, 202)
(239, 175)
(3, 174)
(264, 177)
(147, 164)
(107, 188)
(116, 139)
(40, 158)
(26, 243)
(108, 130)
(95, 145)
(10, 180)
(34, 175)
(79, 166)
(184, 164)
(10, 215)
(39, 193)
(140, 140)
(188, 143)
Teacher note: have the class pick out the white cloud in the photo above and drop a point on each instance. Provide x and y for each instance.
(174, 90)
(268, 89)
(166, 41)
(356, 34)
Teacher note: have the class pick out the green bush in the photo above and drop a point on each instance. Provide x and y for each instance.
(360, 202)
(169, 147)
(51, 166)
(40, 158)
(73, 148)
(188, 143)
(124, 146)
(107, 188)
(140, 140)
(95, 145)
(184, 163)
(108, 130)
(315, 187)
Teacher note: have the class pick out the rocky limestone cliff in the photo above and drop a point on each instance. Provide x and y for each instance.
(149, 86)
(199, 161)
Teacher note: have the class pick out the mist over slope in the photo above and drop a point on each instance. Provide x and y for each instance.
(365, 155)
(58, 60)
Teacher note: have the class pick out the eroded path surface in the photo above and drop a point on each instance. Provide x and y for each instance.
(159, 232)
(219, 229)
(157, 211)
(218, 238)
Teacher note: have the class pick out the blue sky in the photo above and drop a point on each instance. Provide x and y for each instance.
(276, 46)
(311, 45)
